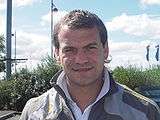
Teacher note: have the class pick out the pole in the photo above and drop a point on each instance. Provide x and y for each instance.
(8, 39)
(52, 28)
(15, 40)
(53, 9)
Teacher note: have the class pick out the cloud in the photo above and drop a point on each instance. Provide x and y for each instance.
(131, 53)
(126, 53)
(3, 4)
(32, 46)
(45, 19)
(138, 25)
(150, 2)
(17, 3)
(2, 24)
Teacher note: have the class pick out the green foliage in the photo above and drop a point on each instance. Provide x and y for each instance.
(15, 92)
(134, 77)
(5, 93)
(23, 88)
(153, 75)
(45, 71)
(27, 84)
(2, 64)
(2, 46)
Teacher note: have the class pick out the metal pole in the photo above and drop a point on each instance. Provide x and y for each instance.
(15, 40)
(53, 9)
(52, 28)
(8, 39)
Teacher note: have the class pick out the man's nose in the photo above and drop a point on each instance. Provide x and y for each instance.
(81, 57)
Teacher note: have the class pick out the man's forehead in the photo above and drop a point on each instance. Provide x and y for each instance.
(81, 36)
(65, 31)
(68, 28)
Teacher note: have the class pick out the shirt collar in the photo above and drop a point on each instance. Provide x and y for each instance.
(63, 85)
(105, 87)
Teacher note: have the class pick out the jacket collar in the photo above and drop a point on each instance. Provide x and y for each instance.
(113, 86)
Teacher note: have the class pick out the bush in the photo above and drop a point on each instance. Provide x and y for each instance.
(26, 84)
(2, 51)
(44, 72)
(15, 92)
(6, 88)
(134, 77)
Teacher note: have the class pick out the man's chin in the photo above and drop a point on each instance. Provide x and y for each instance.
(82, 82)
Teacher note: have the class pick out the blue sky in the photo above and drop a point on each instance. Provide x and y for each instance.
(131, 25)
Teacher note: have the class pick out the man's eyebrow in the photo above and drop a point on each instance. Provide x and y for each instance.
(91, 44)
(68, 47)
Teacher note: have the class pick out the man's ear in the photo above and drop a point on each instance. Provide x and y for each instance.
(56, 54)
(106, 51)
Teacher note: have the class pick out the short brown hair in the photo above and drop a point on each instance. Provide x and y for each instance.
(78, 19)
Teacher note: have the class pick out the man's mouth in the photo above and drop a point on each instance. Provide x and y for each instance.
(82, 69)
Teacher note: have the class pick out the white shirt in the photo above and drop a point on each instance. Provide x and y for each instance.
(76, 110)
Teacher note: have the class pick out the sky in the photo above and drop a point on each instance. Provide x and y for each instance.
(131, 25)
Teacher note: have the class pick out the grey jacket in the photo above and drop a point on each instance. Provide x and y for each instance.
(120, 103)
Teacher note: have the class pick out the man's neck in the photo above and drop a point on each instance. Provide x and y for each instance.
(83, 96)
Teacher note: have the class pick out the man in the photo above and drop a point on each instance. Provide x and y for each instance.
(84, 89)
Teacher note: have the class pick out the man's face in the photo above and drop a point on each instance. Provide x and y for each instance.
(82, 55)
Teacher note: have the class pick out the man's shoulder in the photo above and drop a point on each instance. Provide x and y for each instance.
(127, 92)
(136, 100)
(39, 106)
(36, 102)
(130, 105)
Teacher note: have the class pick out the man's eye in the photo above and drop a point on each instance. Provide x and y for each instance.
(92, 47)
(67, 50)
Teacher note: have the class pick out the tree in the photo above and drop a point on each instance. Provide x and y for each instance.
(2, 47)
